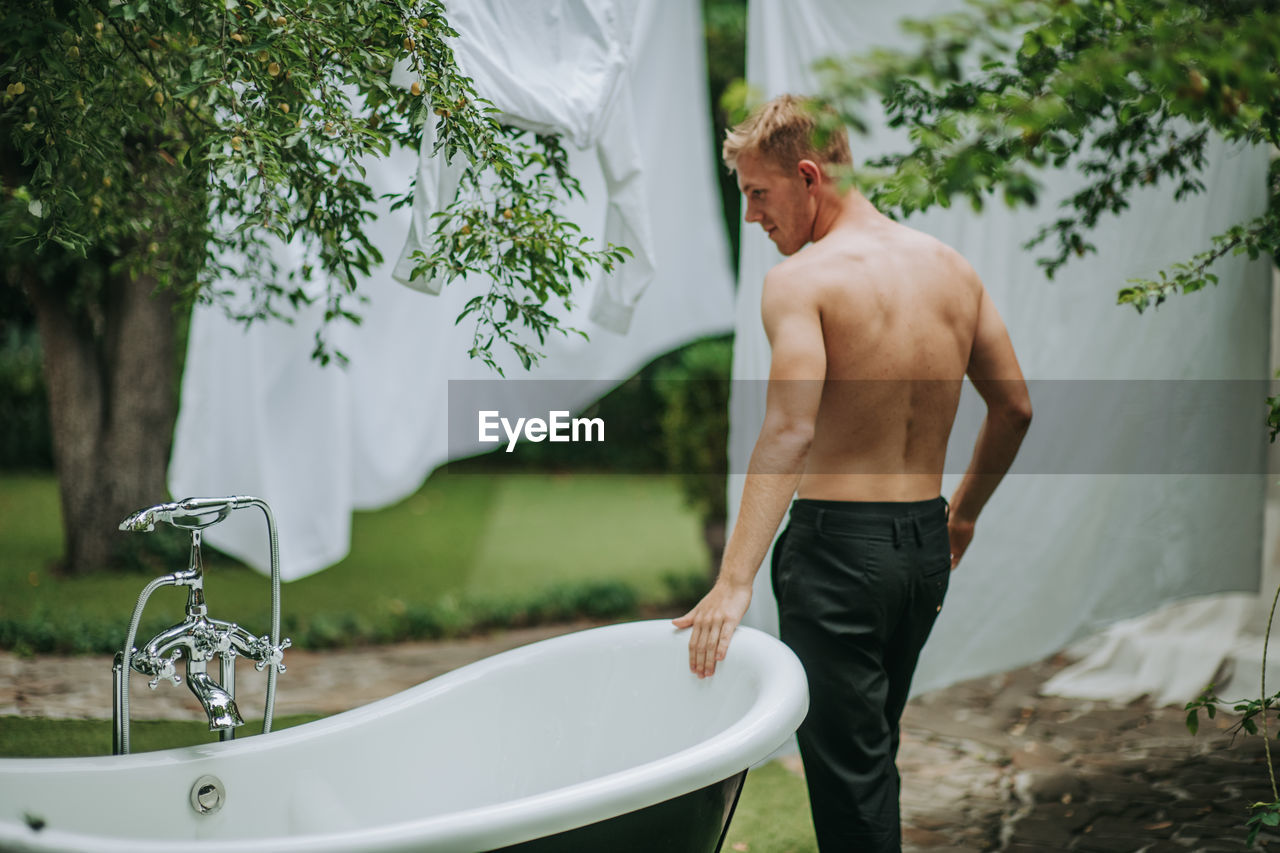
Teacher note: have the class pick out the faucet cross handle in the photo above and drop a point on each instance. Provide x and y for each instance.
(210, 641)
(164, 668)
(269, 655)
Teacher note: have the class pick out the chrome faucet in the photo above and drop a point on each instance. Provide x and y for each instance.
(198, 638)
(218, 704)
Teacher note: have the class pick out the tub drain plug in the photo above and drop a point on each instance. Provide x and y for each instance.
(207, 795)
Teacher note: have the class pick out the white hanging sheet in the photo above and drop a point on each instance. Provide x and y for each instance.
(1171, 654)
(259, 417)
(1058, 553)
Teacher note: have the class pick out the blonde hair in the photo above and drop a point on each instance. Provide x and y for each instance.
(782, 131)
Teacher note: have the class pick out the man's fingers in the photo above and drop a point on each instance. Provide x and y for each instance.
(695, 647)
(708, 642)
(709, 651)
(713, 626)
(722, 648)
(961, 537)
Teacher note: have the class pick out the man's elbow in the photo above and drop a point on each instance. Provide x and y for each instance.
(799, 437)
(791, 437)
(1016, 414)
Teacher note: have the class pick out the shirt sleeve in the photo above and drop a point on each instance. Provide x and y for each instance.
(436, 187)
(626, 220)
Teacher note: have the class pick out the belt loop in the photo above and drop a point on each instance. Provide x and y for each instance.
(818, 521)
(946, 509)
(897, 534)
(915, 523)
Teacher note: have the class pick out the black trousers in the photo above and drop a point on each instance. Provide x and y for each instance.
(859, 586)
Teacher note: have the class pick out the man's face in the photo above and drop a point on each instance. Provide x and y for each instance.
(780, 202)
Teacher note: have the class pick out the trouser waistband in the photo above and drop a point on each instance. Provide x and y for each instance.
(889, 509)
(890, 520)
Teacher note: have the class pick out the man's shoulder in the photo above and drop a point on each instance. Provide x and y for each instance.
(842, 261)
(899, 237)
(837, 258)
(793, 286)
(940, 262)
(801, 283)
(943, 253)
(811, 265)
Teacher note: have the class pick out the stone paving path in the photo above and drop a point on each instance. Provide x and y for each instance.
(316, 682)
(1028, 773)
(987, 765)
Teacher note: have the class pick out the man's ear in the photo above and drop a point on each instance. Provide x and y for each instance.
(811, 172)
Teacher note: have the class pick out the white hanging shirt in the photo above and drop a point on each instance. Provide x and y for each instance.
(551, 67)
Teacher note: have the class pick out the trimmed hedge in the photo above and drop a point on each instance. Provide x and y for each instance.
(448, 618)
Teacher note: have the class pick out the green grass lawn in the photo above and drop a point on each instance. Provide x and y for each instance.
(39, 737)
(772, 816)
(571, 528)
(462, 537)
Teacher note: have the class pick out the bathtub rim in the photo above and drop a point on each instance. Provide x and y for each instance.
(766, 725)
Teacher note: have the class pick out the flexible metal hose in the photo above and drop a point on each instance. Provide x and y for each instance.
(163, 580)
(275, 610)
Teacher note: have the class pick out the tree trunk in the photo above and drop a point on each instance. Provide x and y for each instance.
(111, 377)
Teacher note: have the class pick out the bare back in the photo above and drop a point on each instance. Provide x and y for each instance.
(899, 311)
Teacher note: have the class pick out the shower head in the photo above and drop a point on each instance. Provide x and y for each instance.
(144, 520)
(188, 514)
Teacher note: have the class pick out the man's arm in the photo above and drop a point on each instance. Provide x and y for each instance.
(797, 367)
(995, 373)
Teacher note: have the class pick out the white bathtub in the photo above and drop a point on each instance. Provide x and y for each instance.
(528, 744)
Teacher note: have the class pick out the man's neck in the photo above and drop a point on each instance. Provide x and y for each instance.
(851, 208)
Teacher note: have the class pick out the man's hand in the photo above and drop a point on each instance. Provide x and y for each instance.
(961, 534)
(714, 620)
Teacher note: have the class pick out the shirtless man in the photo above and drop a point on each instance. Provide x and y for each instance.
(872, 326)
